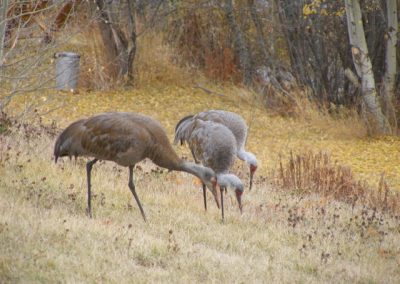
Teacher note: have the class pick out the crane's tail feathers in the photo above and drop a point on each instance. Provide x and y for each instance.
(182, 120)
(183, 129)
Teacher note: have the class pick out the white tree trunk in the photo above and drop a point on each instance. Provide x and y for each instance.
(389, 79)
(363, 65)
(3, 26)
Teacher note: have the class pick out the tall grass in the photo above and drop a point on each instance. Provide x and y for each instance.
(316, 173)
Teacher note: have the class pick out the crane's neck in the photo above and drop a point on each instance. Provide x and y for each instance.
(192, 168)
(167, 158)
(248, 157)
(163, 155)
(229, 180)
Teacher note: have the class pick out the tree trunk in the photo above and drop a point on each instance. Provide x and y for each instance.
(108, 39)
(3, 25)
(375, 118)
(121, 51)
(260, 33)
(389, 79)
(240, 46)
(132, 49)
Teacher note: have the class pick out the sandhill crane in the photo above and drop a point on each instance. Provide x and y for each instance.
(238, 127)
(214, 145)
(126, 139)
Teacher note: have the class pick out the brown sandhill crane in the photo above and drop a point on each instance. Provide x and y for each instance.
(238, 127)
(126, 139)
(214, 145)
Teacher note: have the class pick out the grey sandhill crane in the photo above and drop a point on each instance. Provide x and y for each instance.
(238, 127)
(126, 139)
(214, 146)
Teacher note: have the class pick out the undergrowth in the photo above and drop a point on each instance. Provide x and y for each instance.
(308, 173)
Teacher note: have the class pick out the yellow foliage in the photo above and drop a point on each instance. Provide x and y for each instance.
(269, 136)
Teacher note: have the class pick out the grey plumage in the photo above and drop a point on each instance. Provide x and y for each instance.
(231, 120)
(213, 145)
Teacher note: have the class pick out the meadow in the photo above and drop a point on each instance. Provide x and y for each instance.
(289, 232)
(284, 235)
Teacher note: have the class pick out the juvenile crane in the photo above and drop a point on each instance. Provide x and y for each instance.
(238, 127)
(214, 146)
(126, 139)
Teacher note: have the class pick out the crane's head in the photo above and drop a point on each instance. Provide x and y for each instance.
(230, 180)
(205, 174)
(252, 162)
(209, 178)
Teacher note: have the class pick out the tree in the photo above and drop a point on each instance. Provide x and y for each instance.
(120, 46)
(239, 43)
(25, 53)
(3, 25)
(389, 80)
(374, 116)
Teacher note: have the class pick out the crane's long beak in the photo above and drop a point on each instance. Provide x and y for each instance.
(215, 190)
(239, 199)
(252, 171)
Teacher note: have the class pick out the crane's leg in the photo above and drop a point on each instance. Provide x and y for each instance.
(204, 186)
(132, 188)
(205, 196)
(222, 202)
(194, 157)
(251, 179)
(89, 166)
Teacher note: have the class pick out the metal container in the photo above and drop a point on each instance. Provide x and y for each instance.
(67, 70)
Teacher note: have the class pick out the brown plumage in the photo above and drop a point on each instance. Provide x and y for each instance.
(126, 139)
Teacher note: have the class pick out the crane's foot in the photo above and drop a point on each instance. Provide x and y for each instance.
(89, 213)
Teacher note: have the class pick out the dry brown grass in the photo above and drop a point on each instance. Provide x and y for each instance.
(154, 62)
(316, 173)
(281, 237)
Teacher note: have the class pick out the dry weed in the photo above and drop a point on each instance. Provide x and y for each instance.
(316, 173)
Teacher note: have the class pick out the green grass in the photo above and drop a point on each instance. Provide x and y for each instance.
(46, 236)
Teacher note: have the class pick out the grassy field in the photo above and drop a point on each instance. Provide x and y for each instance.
(282, 236)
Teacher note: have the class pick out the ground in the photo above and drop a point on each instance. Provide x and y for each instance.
(282, 236)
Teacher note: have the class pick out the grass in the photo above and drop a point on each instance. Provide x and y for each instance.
(281, 237)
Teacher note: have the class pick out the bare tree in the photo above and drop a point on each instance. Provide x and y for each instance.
(120, 45)
(3, 25)
(389, 80)
(239, 43)
(26, 54)
(374, 115)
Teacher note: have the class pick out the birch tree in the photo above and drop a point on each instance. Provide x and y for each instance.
(374, 116)
(3, 24)
(389, 79)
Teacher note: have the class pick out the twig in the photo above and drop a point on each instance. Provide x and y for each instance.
(352, 77)
(208, 91)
